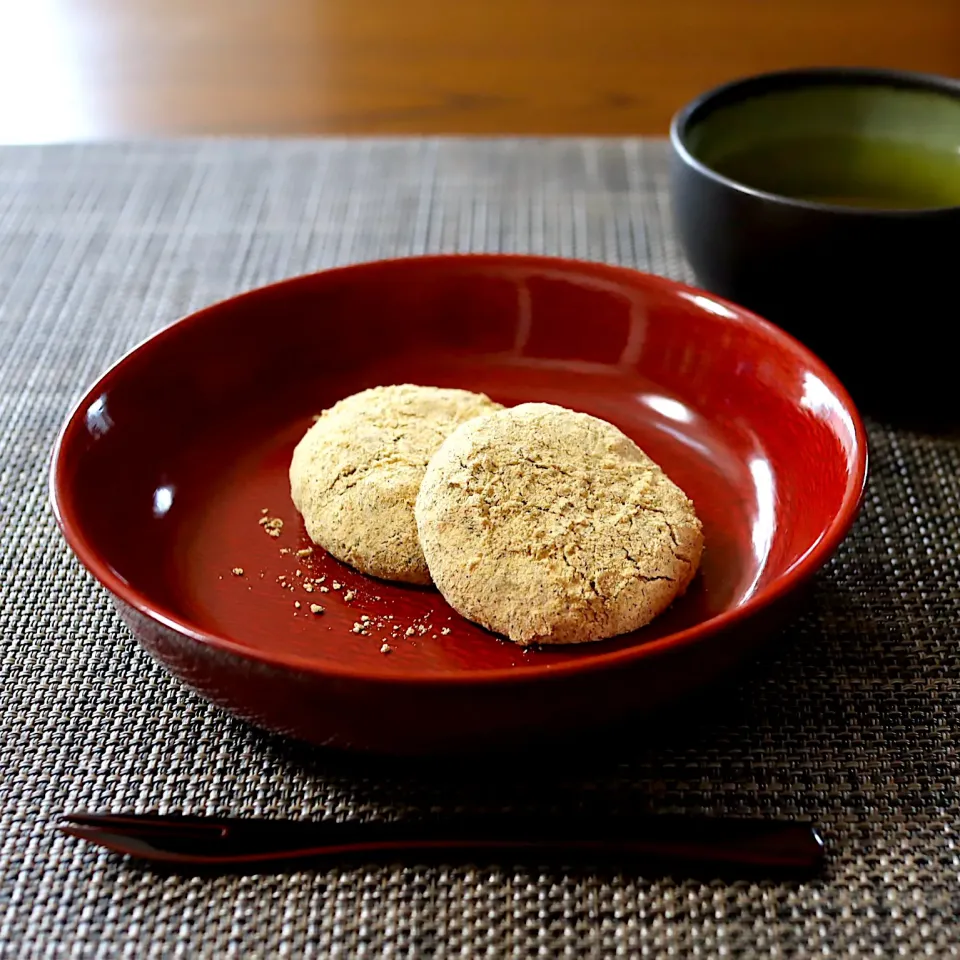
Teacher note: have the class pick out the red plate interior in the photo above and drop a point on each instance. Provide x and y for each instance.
(165, 468)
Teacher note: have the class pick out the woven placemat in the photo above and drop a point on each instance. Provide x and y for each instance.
(852, 719)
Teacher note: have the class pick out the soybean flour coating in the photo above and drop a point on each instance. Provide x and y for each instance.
(551, 526)
(355, 474)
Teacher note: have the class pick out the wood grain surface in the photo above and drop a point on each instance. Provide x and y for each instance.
(106, 68)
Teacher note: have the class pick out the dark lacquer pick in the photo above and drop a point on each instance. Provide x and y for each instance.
(674, 843)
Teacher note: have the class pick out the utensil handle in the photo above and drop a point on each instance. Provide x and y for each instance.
(771, 844)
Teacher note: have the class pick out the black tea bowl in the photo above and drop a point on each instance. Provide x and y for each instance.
(828, 201)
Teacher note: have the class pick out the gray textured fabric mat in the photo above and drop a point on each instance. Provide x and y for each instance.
(853, 719)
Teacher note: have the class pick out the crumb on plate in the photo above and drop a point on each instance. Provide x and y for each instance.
(271, 525)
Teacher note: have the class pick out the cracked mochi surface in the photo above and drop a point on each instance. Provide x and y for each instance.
(355, 474)
(550, 526)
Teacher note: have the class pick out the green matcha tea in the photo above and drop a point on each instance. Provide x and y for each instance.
(849, 171)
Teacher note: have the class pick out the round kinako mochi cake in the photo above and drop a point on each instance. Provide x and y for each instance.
(550, 526)
(355, 474)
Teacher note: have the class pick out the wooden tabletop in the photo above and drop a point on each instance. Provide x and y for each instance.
(111, 68)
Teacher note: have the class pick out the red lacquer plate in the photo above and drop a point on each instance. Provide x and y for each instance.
(162, 472)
